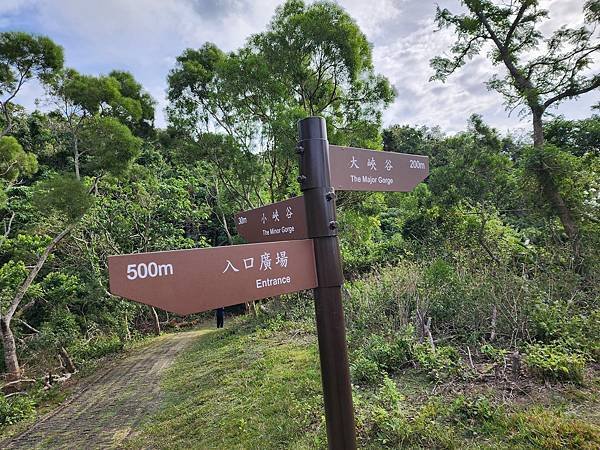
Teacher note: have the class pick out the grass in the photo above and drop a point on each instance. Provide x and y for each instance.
(247, 388)
(240, 389)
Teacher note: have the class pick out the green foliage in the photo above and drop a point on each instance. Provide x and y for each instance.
(24, 56)
(364, 370)
(63, 195)
(110, 145)
(16, 408)
(14, 161)
(495, 354)
(87, 350)
(574, 326)
(553, 362)
(475, 168)
(441, 363)
(12, 274)
(391, 354)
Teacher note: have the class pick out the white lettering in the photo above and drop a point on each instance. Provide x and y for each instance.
(416, 164)
(151, 270)
(268, 282)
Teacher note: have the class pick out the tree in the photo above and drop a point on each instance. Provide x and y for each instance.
(85, 102)
(541, 72)
(22, 58)
(62, 199)
(312, 59)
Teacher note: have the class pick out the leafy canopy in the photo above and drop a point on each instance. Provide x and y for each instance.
(24, 56)
(541, 71)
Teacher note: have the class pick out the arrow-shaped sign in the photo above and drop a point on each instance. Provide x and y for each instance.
(358, 169)
(281, 220)
(191, 281)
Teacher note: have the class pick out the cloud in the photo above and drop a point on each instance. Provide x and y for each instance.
(403, 56)
(145, 36)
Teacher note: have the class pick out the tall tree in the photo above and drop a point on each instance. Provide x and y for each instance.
(24, 57)
(312, 59)
(541, 71)
(101, 146)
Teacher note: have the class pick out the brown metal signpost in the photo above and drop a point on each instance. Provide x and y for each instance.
(191, 281)
(331, 328)
(282, 220)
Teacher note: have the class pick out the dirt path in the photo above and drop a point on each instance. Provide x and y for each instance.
(104, 411)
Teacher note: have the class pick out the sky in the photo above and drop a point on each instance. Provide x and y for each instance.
(144, 37)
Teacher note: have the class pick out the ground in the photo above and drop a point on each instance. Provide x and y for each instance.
(104, 409)
(256, 386)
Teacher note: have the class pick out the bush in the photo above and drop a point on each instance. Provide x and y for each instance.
(552, 362)
(441, 363)
(96, 348)
(474, 410)
(495, 354)
(15, 408)
(390, 354)
(364, 370)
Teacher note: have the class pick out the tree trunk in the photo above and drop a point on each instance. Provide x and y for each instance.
(69, 365)
(549, 188)
(493, 324)
(76, 158)
(156, 321)
(11, 361)
(8, 339)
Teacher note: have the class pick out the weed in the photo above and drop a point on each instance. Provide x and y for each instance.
(552, 362)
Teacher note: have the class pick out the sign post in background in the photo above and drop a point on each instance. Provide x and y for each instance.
(319, 199)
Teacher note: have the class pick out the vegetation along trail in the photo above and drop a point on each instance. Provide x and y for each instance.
(105, 410)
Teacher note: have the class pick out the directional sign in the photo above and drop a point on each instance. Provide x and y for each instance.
(282, 220)
(191, 281)
(357, 169)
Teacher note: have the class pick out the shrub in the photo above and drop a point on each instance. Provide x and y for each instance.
(96, 348)
(390, 354)
(15, 408)
(364, 370)
(475, 410)
(495, 354)
(441, 363)
(552, 362)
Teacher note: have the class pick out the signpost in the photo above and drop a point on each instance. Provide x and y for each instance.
(358, 169)
(282, 220)
(190, 281)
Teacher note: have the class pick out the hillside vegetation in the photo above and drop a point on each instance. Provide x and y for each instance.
(257, 385)
(472, 303)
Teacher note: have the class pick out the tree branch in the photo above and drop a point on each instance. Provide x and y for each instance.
(574, 92)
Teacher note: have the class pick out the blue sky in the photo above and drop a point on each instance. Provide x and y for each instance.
(145, 36)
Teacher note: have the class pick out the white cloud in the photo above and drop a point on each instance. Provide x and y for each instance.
(145, 37)
(373, 14)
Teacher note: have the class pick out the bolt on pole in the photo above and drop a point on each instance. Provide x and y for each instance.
(315, 183)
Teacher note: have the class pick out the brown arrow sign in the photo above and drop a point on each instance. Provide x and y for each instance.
(282, 220)
(358, 169)
(191, 281)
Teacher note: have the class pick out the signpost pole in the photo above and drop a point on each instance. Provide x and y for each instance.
(319, 197)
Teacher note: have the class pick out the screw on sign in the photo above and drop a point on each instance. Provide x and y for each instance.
(191, 281)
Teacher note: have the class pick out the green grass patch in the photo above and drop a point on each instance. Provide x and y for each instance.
(257, 386)
(240, 390)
